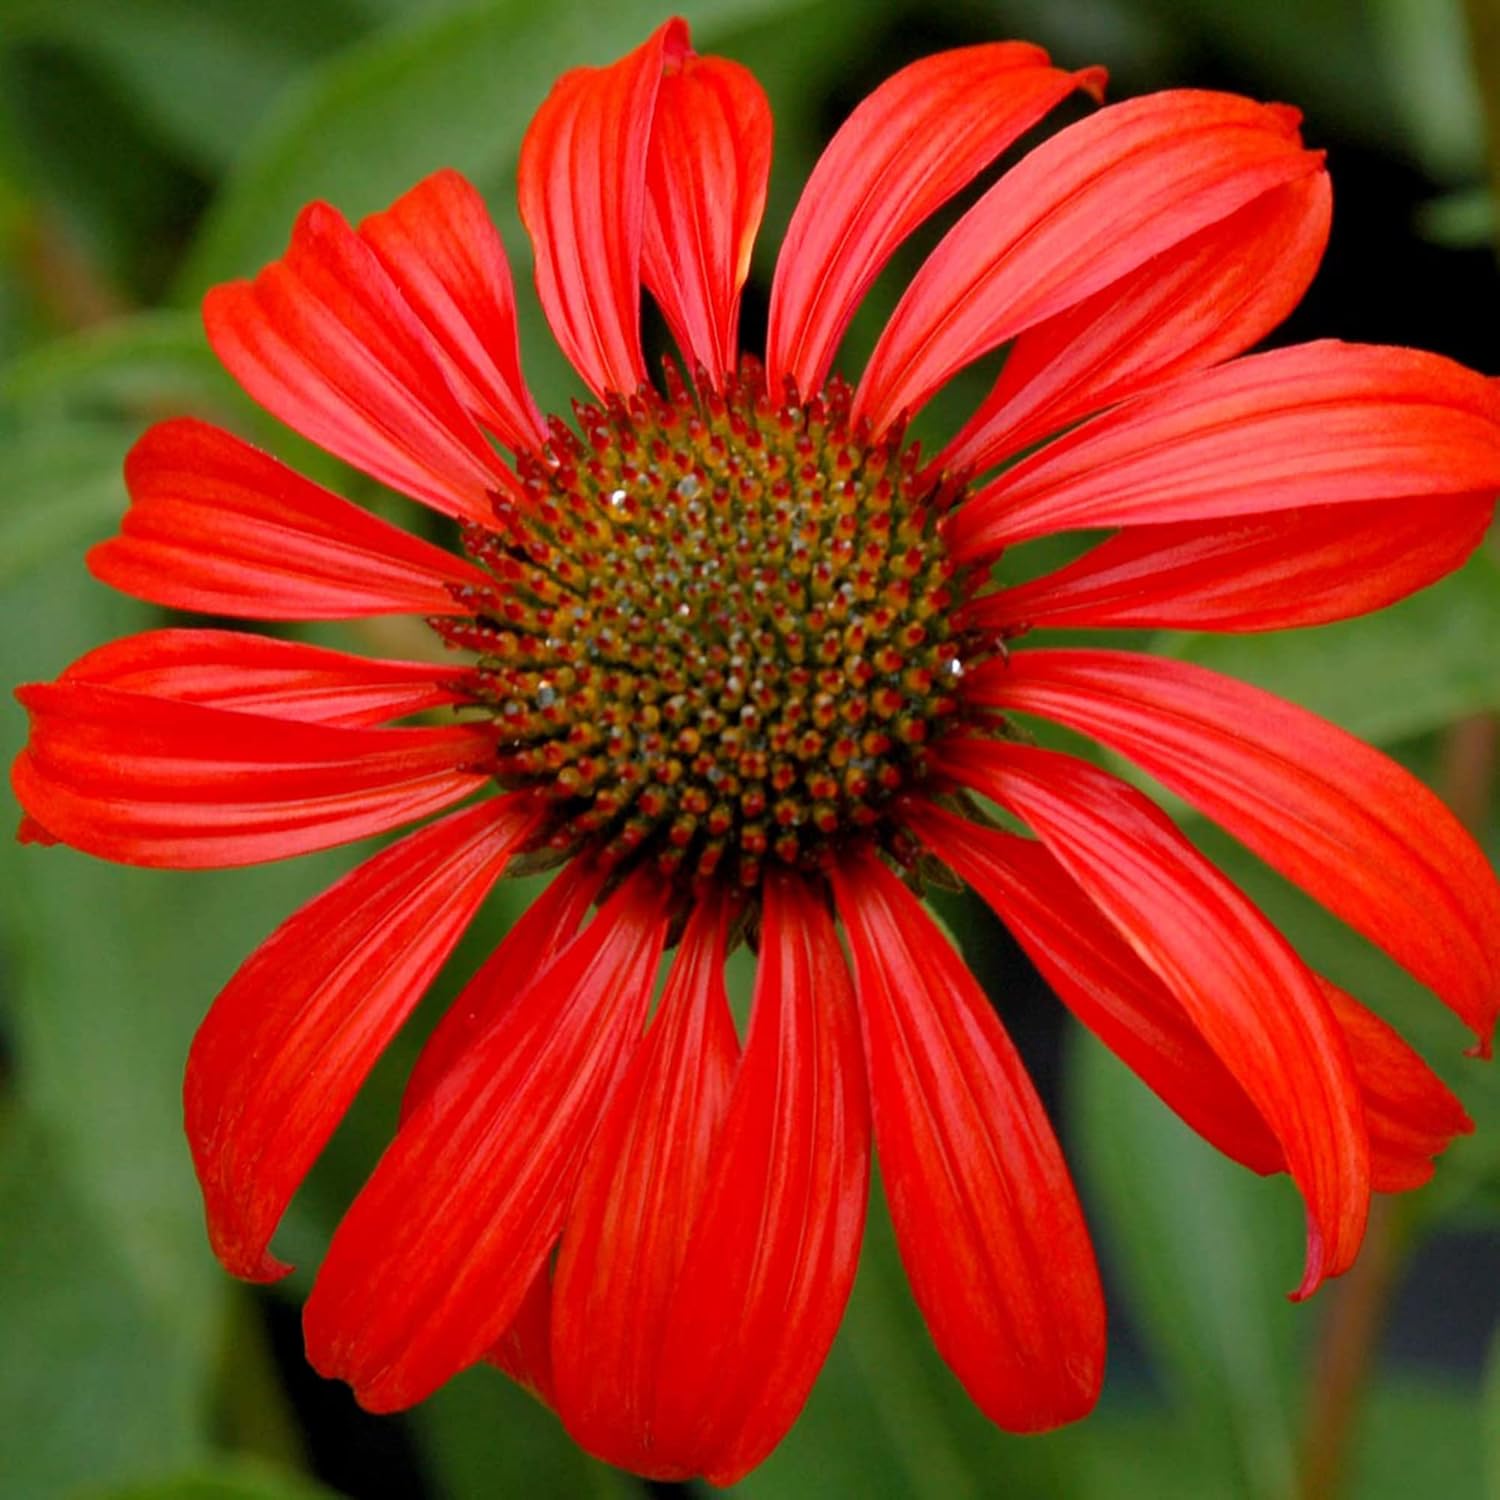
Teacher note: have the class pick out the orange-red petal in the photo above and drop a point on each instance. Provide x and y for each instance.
(986, 1217)
(1243, 987)
(287, 1044)
(1346, 823)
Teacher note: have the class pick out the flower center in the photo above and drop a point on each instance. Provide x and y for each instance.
(722, 629)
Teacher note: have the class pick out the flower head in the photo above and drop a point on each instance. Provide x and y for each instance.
(731, 652)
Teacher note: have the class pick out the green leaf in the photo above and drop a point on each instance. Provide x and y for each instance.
(455, 89)
(63, 488)
(200, 75)
(223, 1480)
(108, 971)
(487, 1437)
(99, 1381)
(151, 361)
(1490, 1416)
(1424, 46)
(1207, 1252)
(1420, 1437)
(1388, 676)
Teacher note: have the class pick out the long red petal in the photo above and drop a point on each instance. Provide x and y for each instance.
(323, 340)
(524, 1350)
(288, 1043)
(1411, 1114)
(627, 1233)
(582, 189)
(1236, 977)
(1350, 826)
(1095, 974)
(438, 1252)
(706, 174)
(1316, 424)
(262, 675)
(1203, 301)
(921, 137)
(776, 1241)
(218, 527)
(1087, 207)
(150, 781)
(440, 248)
(1293, 567)
(986, 1218)
(521, 957)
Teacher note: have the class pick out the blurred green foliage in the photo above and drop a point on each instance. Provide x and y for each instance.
(150, 148)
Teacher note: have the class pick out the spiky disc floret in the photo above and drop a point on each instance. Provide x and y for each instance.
(721, 629)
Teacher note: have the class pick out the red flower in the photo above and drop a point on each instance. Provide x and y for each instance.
(734, 656)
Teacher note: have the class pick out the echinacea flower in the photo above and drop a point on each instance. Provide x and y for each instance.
(736, 658)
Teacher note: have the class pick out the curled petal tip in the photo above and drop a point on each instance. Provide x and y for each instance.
(29, 831)
(1093, 81)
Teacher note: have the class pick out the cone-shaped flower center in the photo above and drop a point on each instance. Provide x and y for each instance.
(723, 628)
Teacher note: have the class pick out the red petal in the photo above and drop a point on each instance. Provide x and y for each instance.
(1315, 424)
(287, 1044)
(1096, 975)
(921, 137)
(261, 675)
(1355, 830)
(524, 1350)
(1410, 1113)
(324, 340)
(545, 928)
(627, 1232)
(776, 1241)
(522, 956)
(149, 781)
(1087, 207)
(1203, 301)
(1293, 567)
(219, 527)
(445, 257)
(1236, 977)
(582, 187)
(706, 173)
(437, 1254)
(985, 1214)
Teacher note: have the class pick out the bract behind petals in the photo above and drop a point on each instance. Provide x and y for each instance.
(1084, 209)
(220, 528)
(281, 1055)
(921, 137)
(1308, 566)
(438, 1252)
(444, 254)
(1095, 974)
(323, 340)
(148, 780)
(628, 1230)
(582, 190)
(1204, 300)
(1246, 991)
(1316, 424)
(706, 174)
(776, 1240)
(1355, 830)
(987, 1222)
